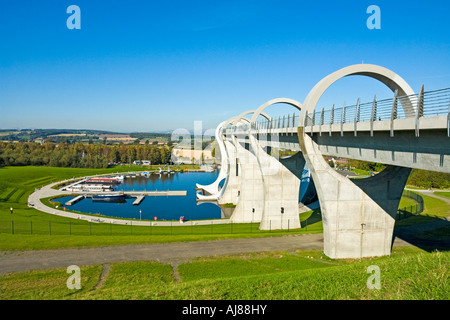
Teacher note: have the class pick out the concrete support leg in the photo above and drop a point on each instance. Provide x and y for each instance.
(250, 207)
(231, 187)
(281, 195)
(358, 215)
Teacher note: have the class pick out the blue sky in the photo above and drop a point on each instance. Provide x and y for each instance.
(161, 65)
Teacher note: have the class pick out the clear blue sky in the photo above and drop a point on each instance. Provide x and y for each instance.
(140, 65)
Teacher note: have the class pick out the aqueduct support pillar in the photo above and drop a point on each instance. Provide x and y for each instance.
(358, 215)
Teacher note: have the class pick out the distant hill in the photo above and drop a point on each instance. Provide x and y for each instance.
(75, 135)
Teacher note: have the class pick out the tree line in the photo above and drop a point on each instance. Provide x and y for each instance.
(79, 155)
(418, 178)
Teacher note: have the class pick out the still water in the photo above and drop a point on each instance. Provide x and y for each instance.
(164, 208)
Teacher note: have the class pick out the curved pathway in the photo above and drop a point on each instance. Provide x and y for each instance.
(432, 194)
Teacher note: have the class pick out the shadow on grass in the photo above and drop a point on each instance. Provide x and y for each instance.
(315, 216)
(426, 232)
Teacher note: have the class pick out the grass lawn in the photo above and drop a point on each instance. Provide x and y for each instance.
(442, 194)
(408, 274)
(30, 229)
(34, 230)
(406, 202)
(361, 172)
(435, 209)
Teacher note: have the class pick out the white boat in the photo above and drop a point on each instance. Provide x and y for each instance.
(90, 188)
(207, 168)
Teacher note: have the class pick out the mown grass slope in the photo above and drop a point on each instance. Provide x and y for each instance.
(409, 274)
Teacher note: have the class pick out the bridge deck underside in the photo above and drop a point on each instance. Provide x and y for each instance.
(429, 151)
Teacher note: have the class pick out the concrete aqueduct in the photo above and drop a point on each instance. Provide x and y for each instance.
(358, 214)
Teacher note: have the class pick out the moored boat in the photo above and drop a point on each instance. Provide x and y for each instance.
(109, 197)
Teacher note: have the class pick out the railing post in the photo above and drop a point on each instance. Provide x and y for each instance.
(279, 126)
(306, 119)
(448, 119)
(420, 107)
(356, 118)
(394, 112)
(321, 121)
(419, 113)
(311, 125)
(373, 116)
(342, 120)
(331, 119)
(293, 123)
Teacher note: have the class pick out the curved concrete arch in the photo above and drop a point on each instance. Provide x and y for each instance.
(231, 188)
(358, 217)
(260, 110)
(235, 120)
(392, 80)
(228, 160)
(213, 188)
(249, 206)
(281, 184)
(268, 166)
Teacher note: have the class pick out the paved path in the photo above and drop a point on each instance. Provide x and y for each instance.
(11, 261)
(431, 193)
(43, 259)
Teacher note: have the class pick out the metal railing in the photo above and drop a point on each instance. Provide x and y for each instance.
(78, 228)
(285, 122)
(413, 210)
(416, 106)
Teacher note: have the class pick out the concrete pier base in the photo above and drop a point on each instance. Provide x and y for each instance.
(281, 189)
(250, 207)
